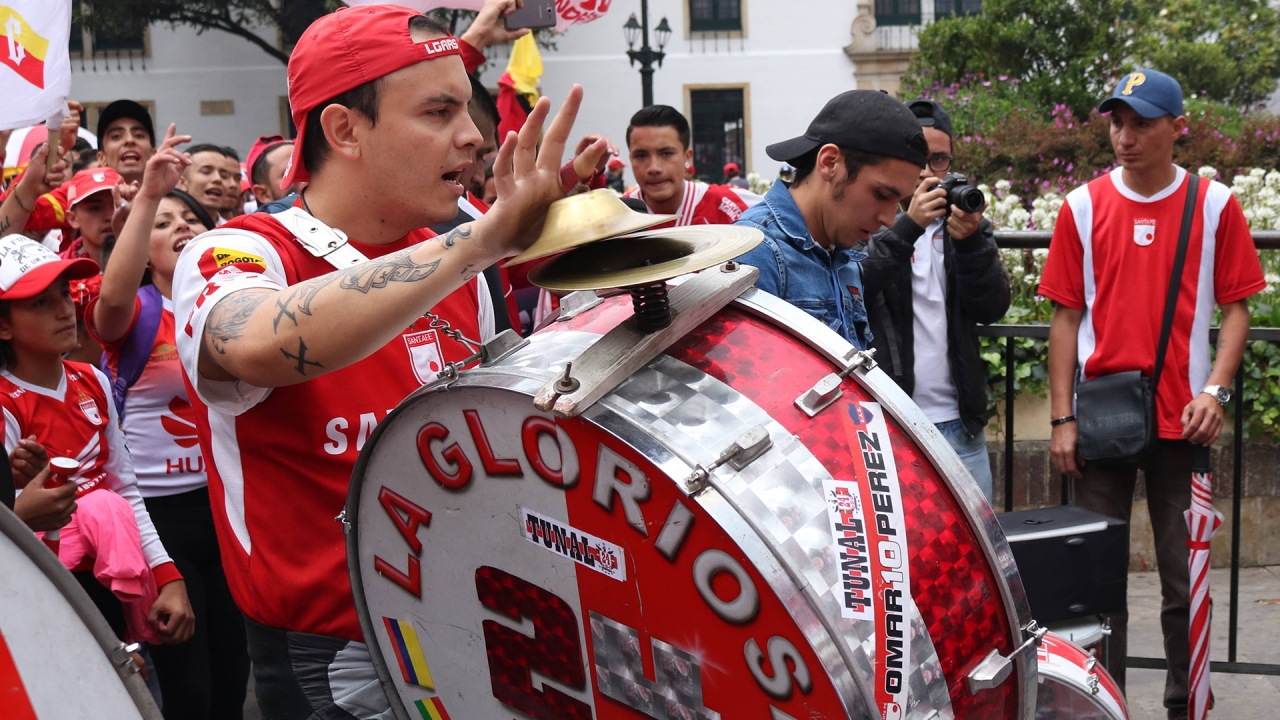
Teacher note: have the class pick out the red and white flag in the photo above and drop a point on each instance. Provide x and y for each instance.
(1203, 520)
(570, 12)
(35, 61)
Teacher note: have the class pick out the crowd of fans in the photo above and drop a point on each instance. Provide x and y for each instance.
(164, 311)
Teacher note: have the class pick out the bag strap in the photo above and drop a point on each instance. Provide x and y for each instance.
(1175, 281)
(136, 350)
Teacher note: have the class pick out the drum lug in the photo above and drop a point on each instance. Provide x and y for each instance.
(342, 518)
(827, 390)
(576, 303)
(500, 347)
(122, 659)
(996, 668)
(749, 446)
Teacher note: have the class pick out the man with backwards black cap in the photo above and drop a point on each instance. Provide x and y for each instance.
(859, 158)
(931, 277)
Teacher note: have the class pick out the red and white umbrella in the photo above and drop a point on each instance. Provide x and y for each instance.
(1203, 520)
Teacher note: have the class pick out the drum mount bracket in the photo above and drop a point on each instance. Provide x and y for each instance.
(626, 348)
(749, 446)
(827, 390)
(996, 668)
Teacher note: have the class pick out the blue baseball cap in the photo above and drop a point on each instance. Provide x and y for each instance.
(1150, 93)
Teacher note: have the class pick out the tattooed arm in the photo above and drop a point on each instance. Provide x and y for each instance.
(270, 338)
(23, 196)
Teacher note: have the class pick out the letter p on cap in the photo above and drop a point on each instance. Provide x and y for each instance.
(1135, 79)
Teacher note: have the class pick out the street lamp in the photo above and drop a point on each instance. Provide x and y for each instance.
(646, 56)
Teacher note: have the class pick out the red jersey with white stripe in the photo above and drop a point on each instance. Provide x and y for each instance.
(1112, 255)
(705, 204)
(279, 460)
(159, 422)
(78, 420)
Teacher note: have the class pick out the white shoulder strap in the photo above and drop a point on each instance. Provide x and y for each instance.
(319, 239)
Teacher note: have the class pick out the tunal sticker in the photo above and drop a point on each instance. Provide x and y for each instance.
(848, 529)
(583, 548)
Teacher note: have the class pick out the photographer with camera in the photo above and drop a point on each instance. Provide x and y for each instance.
(929, 280)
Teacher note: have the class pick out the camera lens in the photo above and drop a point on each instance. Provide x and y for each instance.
(966, 197)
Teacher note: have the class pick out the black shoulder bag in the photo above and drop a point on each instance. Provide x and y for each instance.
(1117, 413)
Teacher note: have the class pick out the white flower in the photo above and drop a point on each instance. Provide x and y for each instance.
(1272, 179)
(1003, 186)
(1040, 254)
(1030, 279)
(1206, 171)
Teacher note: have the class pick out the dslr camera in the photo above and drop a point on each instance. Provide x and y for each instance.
(960, 194)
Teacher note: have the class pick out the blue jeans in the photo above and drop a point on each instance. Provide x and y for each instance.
(972, 452)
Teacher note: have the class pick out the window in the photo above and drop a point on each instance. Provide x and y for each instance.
(719, 131)
(957, 7)
(127, 40)
(900, 12)
(715, 15)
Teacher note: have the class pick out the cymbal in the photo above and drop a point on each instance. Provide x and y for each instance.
(580, 219)
(645, 257)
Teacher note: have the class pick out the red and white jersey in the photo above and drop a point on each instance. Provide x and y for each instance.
(705, 204)
(1112, 255)
(159, 422)
(78, 420)
(279, 460)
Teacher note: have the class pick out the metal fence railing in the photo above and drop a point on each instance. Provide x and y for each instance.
(1264, 240)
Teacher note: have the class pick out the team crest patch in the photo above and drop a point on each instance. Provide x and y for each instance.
(216, 259)
(1144, 232)
(424, 354)
(90, 409)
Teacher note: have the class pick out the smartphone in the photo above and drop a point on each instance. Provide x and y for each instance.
(535, 14)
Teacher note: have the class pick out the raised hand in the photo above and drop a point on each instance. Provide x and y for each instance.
(36, 181)
(588, 148)
(487, 29)
(70, 127)
(165, 166)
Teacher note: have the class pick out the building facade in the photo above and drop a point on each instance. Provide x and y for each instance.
(216, 87)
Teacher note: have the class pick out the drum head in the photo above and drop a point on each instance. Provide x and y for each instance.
(627, 562)
(54, 644)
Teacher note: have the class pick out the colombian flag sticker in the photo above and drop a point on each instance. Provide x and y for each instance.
(413, 665)
(21, 48)
(431, 709)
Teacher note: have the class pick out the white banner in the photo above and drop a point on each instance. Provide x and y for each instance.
(570, 12)
(35, 79)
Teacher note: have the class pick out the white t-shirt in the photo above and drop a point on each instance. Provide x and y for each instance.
(934, 392)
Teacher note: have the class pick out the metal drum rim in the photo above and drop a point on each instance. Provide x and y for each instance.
(27, 542)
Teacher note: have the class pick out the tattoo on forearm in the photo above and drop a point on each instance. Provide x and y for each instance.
(384, 271)
(452, 237)
(303, 294)
(301, 357)
(230, 316)
(4, 225)
(469, 272)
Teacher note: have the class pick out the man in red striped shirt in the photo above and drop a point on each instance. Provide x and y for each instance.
(1108, 272)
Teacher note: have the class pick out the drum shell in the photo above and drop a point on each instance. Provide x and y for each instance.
(55, 647)
(721, 352)
(1073, 684)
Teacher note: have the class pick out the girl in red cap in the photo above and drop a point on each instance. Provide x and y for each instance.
(65, 407)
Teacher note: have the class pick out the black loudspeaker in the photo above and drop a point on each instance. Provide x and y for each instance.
(1073, 562)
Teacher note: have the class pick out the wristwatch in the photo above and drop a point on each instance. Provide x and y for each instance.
(1218, 392)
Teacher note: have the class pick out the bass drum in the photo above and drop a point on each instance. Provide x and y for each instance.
(1074, 685)
(58, 657)
(691, 545)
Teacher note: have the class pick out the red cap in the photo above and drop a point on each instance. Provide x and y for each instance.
(731, 167)
(88, 182)
(27, 267)
(616, 164)
(261, 146)
(344, 50)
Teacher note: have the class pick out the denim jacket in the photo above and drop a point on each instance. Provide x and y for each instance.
(792, 266)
